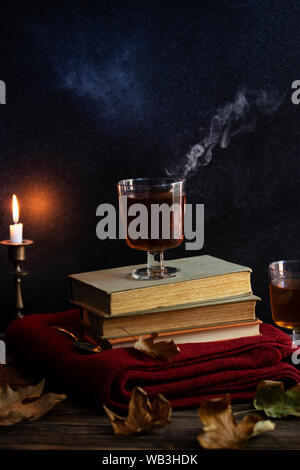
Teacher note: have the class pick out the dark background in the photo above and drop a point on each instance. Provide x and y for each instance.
(101, 91)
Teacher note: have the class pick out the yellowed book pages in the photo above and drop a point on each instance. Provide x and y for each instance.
(195, 335)
(235, 310)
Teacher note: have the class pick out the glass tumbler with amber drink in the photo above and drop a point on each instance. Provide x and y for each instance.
(152, 214)
(284, 282)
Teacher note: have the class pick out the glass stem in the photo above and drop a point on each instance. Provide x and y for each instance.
(154, 264)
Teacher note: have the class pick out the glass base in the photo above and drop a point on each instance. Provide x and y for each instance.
(155, 273)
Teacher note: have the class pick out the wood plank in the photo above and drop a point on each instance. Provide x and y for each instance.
(74, 426)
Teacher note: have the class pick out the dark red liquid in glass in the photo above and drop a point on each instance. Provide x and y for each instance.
(147, 198)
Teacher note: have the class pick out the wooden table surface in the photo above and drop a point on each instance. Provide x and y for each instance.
(72, 425)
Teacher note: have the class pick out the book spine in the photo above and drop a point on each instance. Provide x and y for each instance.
(82, 294)
(92, 321)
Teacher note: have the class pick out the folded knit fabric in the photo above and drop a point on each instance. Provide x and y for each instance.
(200, 370)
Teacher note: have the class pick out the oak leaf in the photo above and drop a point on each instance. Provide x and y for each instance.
(143, 415)
(271, 397)
(220, 430)
(166, 350)
(23, 401)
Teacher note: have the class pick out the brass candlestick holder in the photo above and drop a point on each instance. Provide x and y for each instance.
(17, 254)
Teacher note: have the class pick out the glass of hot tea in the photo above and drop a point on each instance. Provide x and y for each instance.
(152, 213)
(284, 282)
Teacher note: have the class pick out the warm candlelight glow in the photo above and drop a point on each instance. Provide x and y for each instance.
(15, 209)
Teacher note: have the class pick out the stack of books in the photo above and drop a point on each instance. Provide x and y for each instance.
(211, 300)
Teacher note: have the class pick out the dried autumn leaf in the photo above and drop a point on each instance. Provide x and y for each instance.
(27, 402)
(160, 349)
(271, 397)
(12, 376)
(220, 430)
(142, 414)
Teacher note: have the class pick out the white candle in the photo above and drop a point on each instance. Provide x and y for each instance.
(16, 229)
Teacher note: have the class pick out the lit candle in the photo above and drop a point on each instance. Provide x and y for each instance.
(16, 229)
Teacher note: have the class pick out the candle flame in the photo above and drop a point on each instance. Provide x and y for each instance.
(15, 209)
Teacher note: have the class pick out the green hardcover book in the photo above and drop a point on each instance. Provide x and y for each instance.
(201, 278)
(233, 310)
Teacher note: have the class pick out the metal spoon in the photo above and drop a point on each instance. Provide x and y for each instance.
(83, 345)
